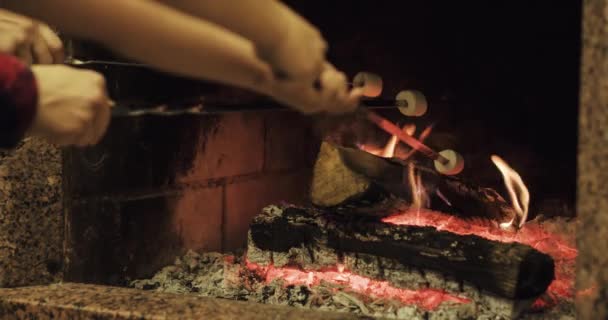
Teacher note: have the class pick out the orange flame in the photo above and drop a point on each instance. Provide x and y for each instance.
(419, 194)
(388, 151)
(420, 197)
(518, 192)
(425, 133)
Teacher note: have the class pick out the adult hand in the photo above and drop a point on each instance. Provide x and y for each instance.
(29, 40)
(332, 95)
(73, 106)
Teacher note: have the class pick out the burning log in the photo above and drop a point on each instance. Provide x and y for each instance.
(354, 181)
(509, 276)
(509, 270)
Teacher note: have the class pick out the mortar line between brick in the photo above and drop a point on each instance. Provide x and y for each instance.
(178, 188)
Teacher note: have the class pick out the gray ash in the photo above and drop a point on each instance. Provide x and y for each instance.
(225, 276)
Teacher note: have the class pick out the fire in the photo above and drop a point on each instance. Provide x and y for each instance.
(420, 197)
(428, 299)
(425, 133)
(518, 192)
(388, 151)
(533, 234)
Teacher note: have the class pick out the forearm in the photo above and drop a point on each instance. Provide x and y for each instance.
(261, 21)
(157, 35)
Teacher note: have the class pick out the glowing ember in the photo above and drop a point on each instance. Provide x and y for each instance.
(532, 234)
(518, 193)
(428, 299)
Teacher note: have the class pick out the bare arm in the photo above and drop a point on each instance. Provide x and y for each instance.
(178, 42)
(158, 35)
(284, 39)
(262, 21)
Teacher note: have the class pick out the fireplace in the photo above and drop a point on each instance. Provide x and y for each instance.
(226, 203)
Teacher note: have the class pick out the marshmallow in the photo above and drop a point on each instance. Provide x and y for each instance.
(455, 163)
(370, 82)
(411, 103)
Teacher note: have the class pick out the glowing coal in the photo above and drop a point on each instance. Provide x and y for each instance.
(428, 299)
(532, 233)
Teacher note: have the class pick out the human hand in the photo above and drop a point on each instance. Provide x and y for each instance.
(331, 96)
(73, 107)
(300, 51)
(29, 40)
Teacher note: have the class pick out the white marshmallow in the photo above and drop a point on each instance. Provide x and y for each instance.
(411, 103)
(370, 82)
(455, 163)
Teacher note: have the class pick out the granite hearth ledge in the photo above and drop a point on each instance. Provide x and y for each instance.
(81, 301)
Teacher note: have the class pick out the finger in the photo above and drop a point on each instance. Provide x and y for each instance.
(333, 87)
(102, 121)
(84, 120)
(8, 44)
(101, 115)
(86, 137)
(40, 51)
(13, 39)
(53, 43)
(316, 68)
(23, 29)
(328, 66)
(89, 135)
(15, 18)
(342, 96)
(298, 95)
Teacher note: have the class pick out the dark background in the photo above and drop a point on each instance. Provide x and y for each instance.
(500, 76)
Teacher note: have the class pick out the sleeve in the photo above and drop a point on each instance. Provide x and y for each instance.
(18, 100)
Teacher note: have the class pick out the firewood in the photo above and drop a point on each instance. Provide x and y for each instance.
(336, 186)
(314, 239)
(354, 181)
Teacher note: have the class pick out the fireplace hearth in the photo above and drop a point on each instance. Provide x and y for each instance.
(219, 198)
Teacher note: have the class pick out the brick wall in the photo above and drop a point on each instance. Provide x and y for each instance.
(158, 186)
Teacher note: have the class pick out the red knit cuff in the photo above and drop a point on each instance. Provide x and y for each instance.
(19, 93)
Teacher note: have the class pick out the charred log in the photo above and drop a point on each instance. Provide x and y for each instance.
(354, 181)
(313, 239)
